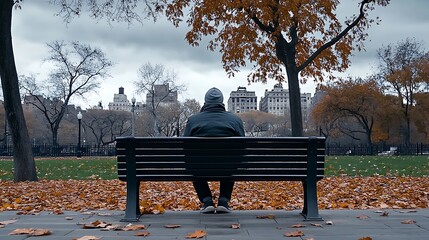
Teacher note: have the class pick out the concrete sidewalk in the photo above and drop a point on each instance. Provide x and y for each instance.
(261, 224)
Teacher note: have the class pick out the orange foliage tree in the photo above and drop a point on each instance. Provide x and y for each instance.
(420, 114)
(404, 72)
(304, 37)
(351, 106)
(257, 123)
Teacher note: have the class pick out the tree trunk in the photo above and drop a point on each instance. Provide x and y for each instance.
(286, 53)
(24, 164)
(295, 103)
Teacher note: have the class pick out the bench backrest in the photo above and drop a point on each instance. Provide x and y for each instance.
(237, 158)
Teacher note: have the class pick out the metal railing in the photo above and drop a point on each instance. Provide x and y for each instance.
(331, 150)
(64, 150)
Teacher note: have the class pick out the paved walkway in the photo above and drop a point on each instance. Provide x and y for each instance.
(346, 224)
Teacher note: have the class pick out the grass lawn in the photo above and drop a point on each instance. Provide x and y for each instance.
(67, 168)
(410, 166)
(105, 168)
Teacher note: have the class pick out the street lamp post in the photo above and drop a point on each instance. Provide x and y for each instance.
(79, 119)
(133, 101)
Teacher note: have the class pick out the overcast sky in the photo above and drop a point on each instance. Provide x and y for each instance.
(160, 43)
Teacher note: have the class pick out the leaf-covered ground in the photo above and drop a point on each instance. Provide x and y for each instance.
(333, 193)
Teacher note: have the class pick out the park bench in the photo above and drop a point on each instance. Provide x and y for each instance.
(223, 158)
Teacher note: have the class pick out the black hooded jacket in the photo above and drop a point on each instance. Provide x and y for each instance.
(214, 121)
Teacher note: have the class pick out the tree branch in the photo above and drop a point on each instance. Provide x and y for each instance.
(337, 38)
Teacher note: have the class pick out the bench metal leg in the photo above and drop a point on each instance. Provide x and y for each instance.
(132, 211)
(311, 209)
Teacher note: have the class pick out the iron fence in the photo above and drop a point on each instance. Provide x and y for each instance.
(377, 149)
(331, 149)
(64, 150)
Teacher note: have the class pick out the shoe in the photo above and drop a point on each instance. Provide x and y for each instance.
(222, 206)
(208, 207)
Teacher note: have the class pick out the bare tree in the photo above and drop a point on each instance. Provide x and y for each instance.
(160, 86)
(106, 125)
(173, 117)
(78, 70)
(403, 73)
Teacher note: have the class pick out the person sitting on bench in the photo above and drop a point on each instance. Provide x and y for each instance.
(214, 121)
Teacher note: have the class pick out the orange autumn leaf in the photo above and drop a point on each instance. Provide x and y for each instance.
(41, 232)
(294, 234)
(134, 227)
(298, 225)
(365, 238)
(96, 224)
(20, 231)
(142, 234)
(31, 232)
(197, 234)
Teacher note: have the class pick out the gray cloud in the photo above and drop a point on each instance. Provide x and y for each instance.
(131, 46)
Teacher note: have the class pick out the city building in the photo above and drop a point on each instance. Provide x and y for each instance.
(276, 102)
(241, 101)
(163, 94)
(121, 102)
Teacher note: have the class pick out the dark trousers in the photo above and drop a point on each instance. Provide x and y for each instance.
(203, 190)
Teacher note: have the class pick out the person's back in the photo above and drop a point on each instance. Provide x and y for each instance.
(214, 121)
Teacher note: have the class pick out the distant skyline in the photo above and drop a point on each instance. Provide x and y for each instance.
(160, 43)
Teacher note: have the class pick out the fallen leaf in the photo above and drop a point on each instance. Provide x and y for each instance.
(87, 238)
(365, 238)
(383, 205)
(408, 221)
(269, 216)
(316, 224)
(363, 216)
(309, 238)
(298, 225)
(235, 226)
(329, 223)
(385, 214)
(134, 227)
(31, 232)
(197, 234)
(142, 234)
(96, 224)
(20, 231)
(41, 232)
(7, 222)
(57, 212)
(294, 234)
(113, 228)
(69, 218)
(172, 226)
